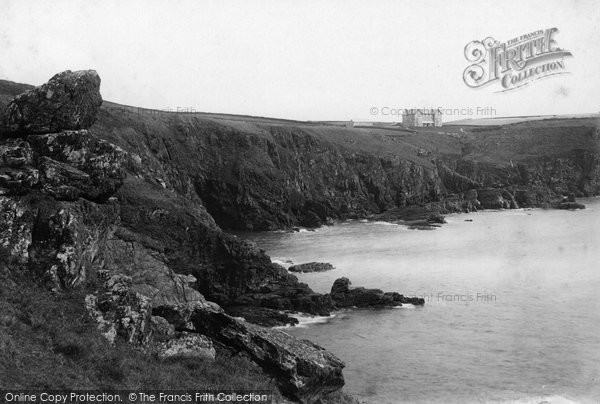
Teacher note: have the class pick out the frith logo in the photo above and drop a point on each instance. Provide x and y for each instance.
(514, 63)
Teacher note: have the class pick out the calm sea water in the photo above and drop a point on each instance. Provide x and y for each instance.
(512, 309)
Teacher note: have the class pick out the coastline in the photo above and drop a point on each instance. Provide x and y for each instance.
(535, 295)
(131, 215)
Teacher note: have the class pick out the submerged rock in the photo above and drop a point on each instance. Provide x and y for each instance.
(568, 202)
(311, 267)
(68, 101)
(343, 295)
(570, 205)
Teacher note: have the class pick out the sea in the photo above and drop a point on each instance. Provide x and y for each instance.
(511, 314)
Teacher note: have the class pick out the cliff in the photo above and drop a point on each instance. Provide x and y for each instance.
(127, 206)
(260, 174)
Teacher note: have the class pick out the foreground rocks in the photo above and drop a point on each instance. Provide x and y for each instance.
(69, 101)
(343, 295)
(311, 267)
(79, 212)
(305, 370)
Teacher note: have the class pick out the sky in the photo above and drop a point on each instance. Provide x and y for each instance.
(306, 60)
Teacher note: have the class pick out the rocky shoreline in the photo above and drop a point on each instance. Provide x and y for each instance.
(129, 210)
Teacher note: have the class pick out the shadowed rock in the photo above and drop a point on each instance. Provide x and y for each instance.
(68, 101)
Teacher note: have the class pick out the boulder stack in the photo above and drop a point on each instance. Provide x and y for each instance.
(68, 101)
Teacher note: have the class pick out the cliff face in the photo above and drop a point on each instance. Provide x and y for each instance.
(259, 174)
(252, 175)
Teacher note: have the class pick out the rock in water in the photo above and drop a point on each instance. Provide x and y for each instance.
(68, 101)
(343, 295)
(311, 267)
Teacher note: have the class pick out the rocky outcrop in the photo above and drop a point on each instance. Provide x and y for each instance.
(79, 212)
(311, 267)
(305, 371)
(69, 101)
(343, 295)
(128, 310)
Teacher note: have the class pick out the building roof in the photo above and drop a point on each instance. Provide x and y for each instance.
(422, 111)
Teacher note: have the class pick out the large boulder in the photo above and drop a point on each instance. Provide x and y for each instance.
(68, 101)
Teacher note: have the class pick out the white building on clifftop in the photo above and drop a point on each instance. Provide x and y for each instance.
(422, 117)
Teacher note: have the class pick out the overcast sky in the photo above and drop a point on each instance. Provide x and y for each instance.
(310, 60)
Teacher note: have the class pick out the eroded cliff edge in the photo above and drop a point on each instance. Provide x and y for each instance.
(261, 174)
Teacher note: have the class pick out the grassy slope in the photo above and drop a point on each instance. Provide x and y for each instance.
(48, 342)
(530, 140)
(498, 144)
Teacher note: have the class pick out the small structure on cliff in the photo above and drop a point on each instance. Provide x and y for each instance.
(422, 117)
